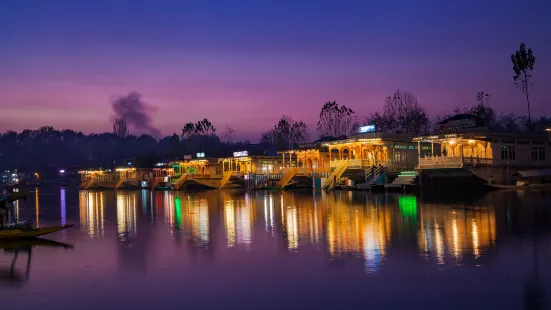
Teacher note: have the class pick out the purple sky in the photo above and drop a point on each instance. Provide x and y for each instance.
(245, 63)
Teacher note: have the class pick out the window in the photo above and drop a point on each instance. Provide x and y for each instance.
(538, 153)
(400, 156)
(508, 152)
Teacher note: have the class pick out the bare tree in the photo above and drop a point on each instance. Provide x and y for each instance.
(402, 114)
(483, 98)
(286, 134)
(119, 128)
(228, 135)
(335, 120)
(523, 64)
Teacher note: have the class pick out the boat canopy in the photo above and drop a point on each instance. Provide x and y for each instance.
(535, 173)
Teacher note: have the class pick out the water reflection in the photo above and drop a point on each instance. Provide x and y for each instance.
(238, 222)
(126, 215)
(37, 207)
(11, 275)
(91, 207)
(344, 225)
(456, 233)
(359, 230)
(63, 204)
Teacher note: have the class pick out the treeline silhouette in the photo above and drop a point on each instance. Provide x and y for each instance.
(46, 150)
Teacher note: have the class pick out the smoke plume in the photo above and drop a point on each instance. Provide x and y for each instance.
(136, 113)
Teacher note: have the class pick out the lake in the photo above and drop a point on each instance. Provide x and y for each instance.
(282, 250)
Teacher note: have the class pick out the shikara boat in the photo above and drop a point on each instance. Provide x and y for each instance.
(26, 232)
(11, 197)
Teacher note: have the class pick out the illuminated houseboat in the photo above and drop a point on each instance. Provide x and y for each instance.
(203, 172)
(468, 153)
(252, 168)
(300, 165)
(369, 156)
(121, 178)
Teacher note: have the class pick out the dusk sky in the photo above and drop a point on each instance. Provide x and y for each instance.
(245, 63)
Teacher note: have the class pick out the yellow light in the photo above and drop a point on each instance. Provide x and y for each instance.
(471, 141)
(125, 169)
(452, 142)
(548, 129)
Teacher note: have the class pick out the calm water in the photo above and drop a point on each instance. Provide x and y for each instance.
(301, 250)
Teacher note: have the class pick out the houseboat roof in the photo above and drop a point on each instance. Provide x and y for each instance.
(250, 157)
(315, 145)
(535, 173)
(88, 171)
(193, 161)
(457, 117)
(372, 137)
(482, 135)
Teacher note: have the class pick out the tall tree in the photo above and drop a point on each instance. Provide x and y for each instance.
(119, 128)
(523, 64)
(286, 134)
(402, 113)
(335, 120)
(204, 127)
(188, 130)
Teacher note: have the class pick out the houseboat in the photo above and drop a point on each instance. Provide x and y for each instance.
(369, 158)
(468, 154)
(253, 168)
(200, 172)
(303, 165)
(119, 178)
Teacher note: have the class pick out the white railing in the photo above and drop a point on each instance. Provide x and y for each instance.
(447, 162)
(440, 162)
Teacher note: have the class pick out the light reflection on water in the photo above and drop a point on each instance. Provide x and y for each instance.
(329, 245)
(342, 225)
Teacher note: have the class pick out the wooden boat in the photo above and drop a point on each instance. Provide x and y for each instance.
(26, 232)
(11, 197)
(502, 186)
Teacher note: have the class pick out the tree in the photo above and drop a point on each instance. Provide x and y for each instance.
(188, 130)
(482, 111)
(335, 120)
(483, 98)
(201, 128)
(402, 113)
(204, 127)
(286, 134)
(228, 135)
(510, 123)
(119, 128)
(523, 64)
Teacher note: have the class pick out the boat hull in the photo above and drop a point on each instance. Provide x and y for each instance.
(13, 234)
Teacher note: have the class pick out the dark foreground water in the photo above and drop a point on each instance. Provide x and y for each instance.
(301, 250)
